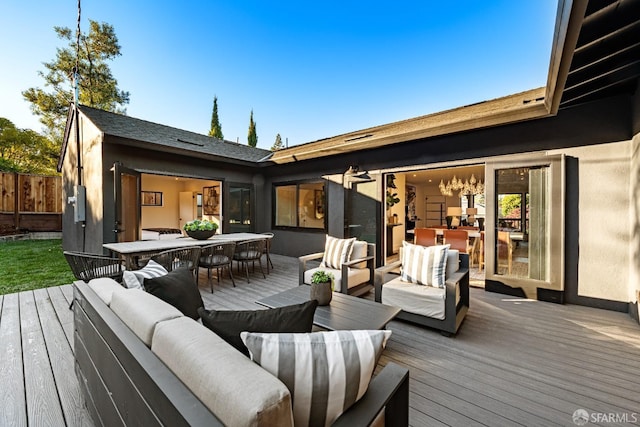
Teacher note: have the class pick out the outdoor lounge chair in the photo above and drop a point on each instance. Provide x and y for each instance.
(353, 277)
(440, 308)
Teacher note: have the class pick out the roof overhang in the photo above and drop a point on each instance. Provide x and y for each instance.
(532, 104)
(150, 146)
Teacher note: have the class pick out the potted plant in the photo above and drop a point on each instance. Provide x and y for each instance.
(322, 286)
(200, 229)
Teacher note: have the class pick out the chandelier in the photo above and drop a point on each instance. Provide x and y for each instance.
(469, 187)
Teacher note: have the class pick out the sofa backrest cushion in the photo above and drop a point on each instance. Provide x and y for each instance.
(359, 251)
(326, 372)
(236, 390)
(453, 262)
(105, 287)
(178, 289)
(336, 252)
(228, 324)
(424, 265)
(141, 312)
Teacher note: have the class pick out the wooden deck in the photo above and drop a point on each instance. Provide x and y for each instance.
(514, 361)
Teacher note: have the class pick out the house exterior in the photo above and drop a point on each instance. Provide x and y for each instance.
(576, 141)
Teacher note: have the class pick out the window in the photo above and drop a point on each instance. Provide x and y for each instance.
(300, 205)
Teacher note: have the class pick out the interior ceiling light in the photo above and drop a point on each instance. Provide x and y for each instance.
(469, 187)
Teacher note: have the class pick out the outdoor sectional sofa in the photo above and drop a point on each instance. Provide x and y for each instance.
(139, 361)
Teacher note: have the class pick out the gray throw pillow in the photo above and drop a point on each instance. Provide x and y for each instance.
(228, 324)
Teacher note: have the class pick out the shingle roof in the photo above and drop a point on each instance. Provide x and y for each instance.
(165, 136)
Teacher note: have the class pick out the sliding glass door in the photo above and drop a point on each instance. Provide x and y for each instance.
(240, 208)
(524, 240)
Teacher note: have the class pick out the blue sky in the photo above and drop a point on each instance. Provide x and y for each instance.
(308, 70)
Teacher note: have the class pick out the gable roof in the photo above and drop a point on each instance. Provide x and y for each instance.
(122, 126)
(130, 130)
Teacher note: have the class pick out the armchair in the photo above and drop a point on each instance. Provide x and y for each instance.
(440, 308)
(353, 278)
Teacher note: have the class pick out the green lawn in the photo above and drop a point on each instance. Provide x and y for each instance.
(32, 264)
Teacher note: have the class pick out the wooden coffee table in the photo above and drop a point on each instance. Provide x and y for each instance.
(344, 313)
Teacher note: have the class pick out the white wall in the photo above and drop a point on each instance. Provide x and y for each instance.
(604, 218)
(634, 249)
(167, 215)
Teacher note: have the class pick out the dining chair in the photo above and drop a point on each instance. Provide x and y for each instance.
(250, 251)
(425, 237)
(267, 249)
(458, 239)
(217, 256)
(86, 266)
(505, 249)
(181, 257)
(480, 253)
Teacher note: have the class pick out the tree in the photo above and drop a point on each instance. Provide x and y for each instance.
(97, 86)
(216, 127)
(278, 144)
(24, 150)
(252, 138)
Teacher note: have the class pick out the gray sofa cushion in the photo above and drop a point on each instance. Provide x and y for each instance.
(141, 312)
(234, 388)
(105, 287)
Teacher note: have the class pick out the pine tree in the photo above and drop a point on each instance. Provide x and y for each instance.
(98, 87)
(278, 144)
(216, 127)
(252, 138)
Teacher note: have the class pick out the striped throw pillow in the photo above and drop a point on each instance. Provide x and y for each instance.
(336, 252)
(135, 279)
(424, 265)
(326, 372)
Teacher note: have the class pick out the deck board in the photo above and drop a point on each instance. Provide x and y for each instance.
(513, 362)
(61, 358)
(43, 403)
(12, 396)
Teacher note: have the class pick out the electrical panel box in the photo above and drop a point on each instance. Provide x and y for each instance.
(79, 207)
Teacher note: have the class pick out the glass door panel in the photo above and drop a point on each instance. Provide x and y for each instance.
(240, 208)
(363, 206)
(525, 224)
(522, 201)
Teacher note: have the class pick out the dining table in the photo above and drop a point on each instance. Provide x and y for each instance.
(130, 251)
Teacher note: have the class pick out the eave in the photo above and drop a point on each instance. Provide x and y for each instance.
(533, 104)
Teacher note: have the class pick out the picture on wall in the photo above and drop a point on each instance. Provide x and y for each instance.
(211, 200)
(411, 202)
(151, 198)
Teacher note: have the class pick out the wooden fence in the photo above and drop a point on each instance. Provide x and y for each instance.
(30, 203)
